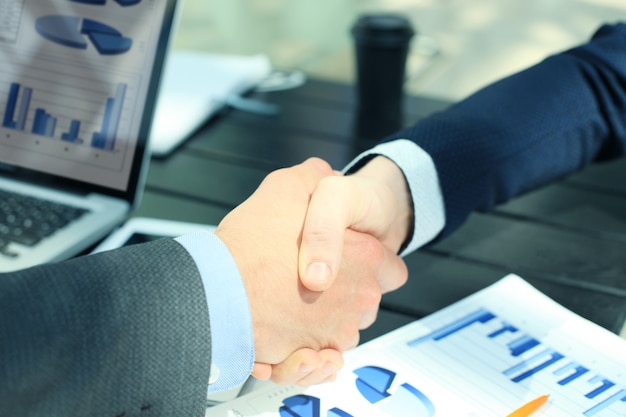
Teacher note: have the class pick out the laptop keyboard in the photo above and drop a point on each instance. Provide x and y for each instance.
(26, 220)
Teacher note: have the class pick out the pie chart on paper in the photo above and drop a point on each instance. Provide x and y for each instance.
(75, 32)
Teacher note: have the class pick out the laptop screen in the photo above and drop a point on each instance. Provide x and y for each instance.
(78, 83)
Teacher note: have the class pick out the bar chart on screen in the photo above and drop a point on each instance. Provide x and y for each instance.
(76, 115)
(481, 357)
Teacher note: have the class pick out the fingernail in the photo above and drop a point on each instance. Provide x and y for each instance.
(306, 369)
(318, 271)
(329, 369)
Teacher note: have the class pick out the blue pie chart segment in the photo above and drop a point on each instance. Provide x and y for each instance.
(373, 383)
(73, 32)
(300, 406)
(110, 44)
(63, 30)
(91, 26)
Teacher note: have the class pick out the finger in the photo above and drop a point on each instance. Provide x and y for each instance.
(326, 373)
(328, 216)
(340, 203)
(393, 273)
(298, 365)
(298, 180)
(262, 371)
(312, 171)
(307, 367)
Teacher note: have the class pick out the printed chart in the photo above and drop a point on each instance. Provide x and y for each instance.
(484, 356)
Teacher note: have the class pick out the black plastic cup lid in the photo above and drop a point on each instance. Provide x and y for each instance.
(383, 29)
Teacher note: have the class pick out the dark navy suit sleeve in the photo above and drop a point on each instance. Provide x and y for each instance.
(530, 128)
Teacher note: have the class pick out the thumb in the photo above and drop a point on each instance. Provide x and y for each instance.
(334, 206)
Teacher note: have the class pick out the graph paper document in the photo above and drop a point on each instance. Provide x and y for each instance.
(483, 356)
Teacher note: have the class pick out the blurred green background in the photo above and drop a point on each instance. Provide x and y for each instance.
(462, 44)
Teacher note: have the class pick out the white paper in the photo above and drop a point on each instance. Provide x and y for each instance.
(484, 356)
(195, 86)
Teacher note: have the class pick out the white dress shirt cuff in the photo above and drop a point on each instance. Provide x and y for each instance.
(232, 342)
(421, 175)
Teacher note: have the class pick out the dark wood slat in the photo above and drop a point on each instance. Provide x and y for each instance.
(307, 116)
(607, 176)
(271, 147)
(330, 119)
(163, 206)
(530, 248)
(586, 210)
(436, 282)
(207, 180)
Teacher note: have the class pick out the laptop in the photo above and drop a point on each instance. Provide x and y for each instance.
(78, 83)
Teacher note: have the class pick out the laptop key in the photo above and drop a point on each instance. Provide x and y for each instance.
(26, 220)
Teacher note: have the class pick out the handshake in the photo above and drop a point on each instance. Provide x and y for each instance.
(316, 250)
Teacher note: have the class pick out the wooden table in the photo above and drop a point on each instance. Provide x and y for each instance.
(568, 239)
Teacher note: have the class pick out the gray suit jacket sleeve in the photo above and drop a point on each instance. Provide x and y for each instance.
(123, 333)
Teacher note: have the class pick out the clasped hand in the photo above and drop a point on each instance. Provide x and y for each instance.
(316, 251)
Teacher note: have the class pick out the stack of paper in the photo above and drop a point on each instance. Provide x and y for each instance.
(484, 356)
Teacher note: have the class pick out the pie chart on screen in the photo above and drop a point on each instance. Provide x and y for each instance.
(75, 32)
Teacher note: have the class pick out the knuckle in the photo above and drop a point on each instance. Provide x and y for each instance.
(350, 337)
(372, 250)
(372, 296)
(321, 165)
(319, 233)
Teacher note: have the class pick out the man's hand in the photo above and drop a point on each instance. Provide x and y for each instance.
(304, 367)
(264, 235)
(374, 200)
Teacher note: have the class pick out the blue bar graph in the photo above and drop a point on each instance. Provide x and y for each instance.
(523, 344)
(72, 134)
(552, 357)
(605, 384)
(10, 109)
(23, 110)
(506, 328)
(526, 358)
(17, 113)
(105, 139)
(479, 316)
(577, 369)
(620, 396)
(44, 123)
